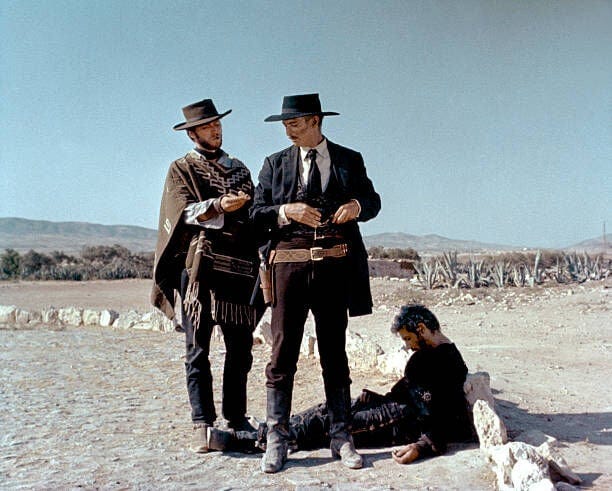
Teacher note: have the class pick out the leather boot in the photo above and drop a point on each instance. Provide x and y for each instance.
(232, 441)
(199, 443)
(341, 445)
(279, 434)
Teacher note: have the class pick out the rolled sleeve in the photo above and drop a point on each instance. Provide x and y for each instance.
(209, 209)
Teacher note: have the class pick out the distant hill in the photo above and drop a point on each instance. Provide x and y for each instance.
(432, 243)
(70, 237)
(592, 245)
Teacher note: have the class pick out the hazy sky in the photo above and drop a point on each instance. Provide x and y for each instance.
(485, 120)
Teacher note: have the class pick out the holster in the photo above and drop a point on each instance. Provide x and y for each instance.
(265, 279)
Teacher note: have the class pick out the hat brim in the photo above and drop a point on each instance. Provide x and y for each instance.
(190, 124)
(285, 116)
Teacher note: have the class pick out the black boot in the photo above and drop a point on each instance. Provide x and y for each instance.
(341, 445)
(233, 441)
(279, 434)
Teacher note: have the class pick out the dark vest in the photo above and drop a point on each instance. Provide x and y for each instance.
(327, 203)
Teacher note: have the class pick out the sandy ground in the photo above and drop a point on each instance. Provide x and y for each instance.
(547, 351)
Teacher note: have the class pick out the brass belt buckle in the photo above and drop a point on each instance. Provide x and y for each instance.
(316, 254)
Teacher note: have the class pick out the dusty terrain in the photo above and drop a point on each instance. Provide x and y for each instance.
(99, 408)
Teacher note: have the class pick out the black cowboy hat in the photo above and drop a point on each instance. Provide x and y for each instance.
(198, 113)
(296, 106)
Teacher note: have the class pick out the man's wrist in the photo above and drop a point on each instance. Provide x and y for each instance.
(282, 216)
(217, 205)
(358, 207)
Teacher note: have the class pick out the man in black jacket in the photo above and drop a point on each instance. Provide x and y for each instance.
(422, 412)
(308, 201)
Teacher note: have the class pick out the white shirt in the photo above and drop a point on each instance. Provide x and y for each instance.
(323, 161)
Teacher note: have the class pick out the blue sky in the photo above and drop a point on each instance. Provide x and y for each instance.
(485, 120)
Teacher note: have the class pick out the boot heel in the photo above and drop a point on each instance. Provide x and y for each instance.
(345, 451)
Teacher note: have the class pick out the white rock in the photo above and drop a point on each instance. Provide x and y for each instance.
(127, 320)
(8, 314)
(489, 427)
(477, 386)
(505, 458)
(22, 317)
(50, 315)
(528, 475)
(35, 317)
(71, 316)
(309, 347)
(393, 363)
(108, 317)
(557, 465)
(155, 321)
(361, 353)
(91, 317)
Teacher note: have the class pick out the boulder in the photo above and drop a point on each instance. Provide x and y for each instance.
(477, 386)
(155, 321)
(362, 352)
(548, 447)
(308, 347)
(8, 314)
(127, 320)
(22, 317)
(50, 315)
(71, 316)
(108, 317)
(91, 317)
(530, 473)
(489, 427)
(393, 363)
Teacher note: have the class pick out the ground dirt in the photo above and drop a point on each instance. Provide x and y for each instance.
(102, 408)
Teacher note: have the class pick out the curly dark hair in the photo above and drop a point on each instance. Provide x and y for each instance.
(409, 317)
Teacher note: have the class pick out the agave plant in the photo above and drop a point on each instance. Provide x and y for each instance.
(534, 275)
(427, 273)
(449, 268)
(500, 273)
(475, 274)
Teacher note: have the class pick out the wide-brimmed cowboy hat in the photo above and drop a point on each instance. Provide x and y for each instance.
(296, 106)
(198, 113)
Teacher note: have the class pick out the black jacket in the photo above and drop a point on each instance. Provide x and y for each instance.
(278, 185)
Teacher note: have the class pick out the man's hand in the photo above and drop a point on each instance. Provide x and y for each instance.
(302, 213)
(232, 202)
(347, 212)
(405, 455)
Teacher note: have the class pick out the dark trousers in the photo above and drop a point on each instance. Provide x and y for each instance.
(319, 286)
(238, 362)
(380, 424)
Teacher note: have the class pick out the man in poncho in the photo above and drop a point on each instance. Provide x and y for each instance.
(206, 252)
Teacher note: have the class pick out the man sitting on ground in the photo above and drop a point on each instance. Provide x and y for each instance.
(422, 412)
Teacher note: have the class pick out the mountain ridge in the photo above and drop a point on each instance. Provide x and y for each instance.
(23, 234)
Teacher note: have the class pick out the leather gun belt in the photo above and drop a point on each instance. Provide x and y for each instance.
(312, 254)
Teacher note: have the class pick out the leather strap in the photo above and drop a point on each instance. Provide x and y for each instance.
(312, 254)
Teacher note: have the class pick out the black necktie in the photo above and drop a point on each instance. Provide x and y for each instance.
(314, 176)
